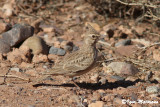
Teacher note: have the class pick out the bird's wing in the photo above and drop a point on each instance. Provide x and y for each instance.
(72, 63)
(80, 62)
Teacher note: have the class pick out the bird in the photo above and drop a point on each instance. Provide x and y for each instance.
(78, 62)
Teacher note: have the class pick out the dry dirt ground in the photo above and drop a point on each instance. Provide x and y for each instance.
(97, 89)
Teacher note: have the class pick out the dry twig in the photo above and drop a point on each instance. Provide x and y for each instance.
(137, 4)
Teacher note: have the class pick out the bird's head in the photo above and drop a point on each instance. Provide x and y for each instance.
(91, 36)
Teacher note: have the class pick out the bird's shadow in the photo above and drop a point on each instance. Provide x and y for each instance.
(97, 86)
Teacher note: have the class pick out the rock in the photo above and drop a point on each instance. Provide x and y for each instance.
(15, 69)
(156, 76)
(7, 10)
(125, 30)
(60, 39)
(47, 28)
(134, 97)
(52, 57)
(17, 34)
(36, 44)
(57, 51)
(131, 78)
(97, 104)
(75, 48)
(129, 69)
(68, 46)
(156, 55)
(19, 55)
(115, 78)
(152, 89)
(39, 58)
(26, 65)
(53, 50)
(123, 43)
(126, 50)
(61, 52)
(108, 97)
(102, 81)
(4, 47)
(122, 68)
(49, 38)
(96, 96)
(117, 101)
(94, 77)
(57, 44)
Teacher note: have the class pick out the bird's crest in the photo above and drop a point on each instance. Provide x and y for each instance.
(91, 30)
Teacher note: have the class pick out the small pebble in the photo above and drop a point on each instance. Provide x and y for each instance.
(57, 51)
(118, 78)
(61, 52)
(75, 48)
(15, 69)
(103, 81)
(152, 89)
(123, 43)
(53, 50)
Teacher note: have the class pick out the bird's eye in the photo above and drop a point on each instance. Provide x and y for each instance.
(93, 36)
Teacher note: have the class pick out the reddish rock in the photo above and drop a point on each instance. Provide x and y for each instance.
(129, 69)
(52, 57)
(19, 55)
(126, 50)
(47, 28)
(108, 98)
(39, 58)
(97, 104)
(26, 65)
(120, 68)
(7, 10)
(49, 38)
(156, 55)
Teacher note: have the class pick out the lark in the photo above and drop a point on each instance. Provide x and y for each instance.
(80, 61)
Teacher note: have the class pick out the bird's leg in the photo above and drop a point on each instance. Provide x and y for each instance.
(74, 83)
